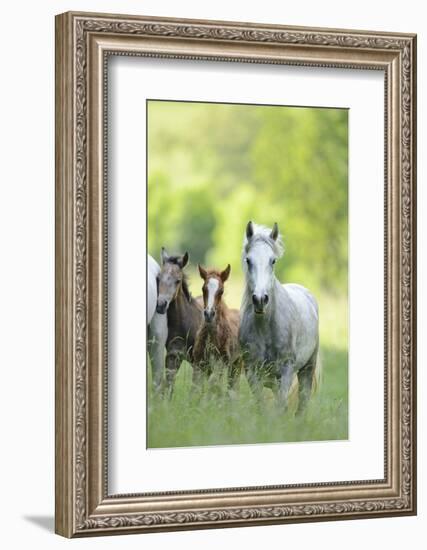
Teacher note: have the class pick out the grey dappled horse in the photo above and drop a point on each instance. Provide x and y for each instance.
(279, 327)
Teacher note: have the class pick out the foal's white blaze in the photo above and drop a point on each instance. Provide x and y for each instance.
(213, 285)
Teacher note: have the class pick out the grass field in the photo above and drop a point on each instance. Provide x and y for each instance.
(216, 419)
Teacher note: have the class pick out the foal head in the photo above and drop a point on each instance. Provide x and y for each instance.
(171, 280)
(213, 289)
(262, 247)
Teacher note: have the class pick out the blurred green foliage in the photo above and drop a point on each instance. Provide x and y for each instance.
(213, 167)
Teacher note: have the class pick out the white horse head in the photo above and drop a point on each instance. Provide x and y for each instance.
(261, 248)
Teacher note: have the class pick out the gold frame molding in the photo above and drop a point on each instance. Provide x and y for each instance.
(83, 43)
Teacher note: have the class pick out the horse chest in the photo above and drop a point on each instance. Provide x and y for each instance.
(263, 341)
(216, 342)
(183, 323)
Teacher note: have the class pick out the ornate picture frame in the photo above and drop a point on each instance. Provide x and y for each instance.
(83, 43)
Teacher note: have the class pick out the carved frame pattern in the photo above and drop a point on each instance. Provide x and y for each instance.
(83, 506)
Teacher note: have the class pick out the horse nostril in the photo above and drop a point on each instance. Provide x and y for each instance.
(161, 307)
(209, 315)
(265, 299)
(254, 299)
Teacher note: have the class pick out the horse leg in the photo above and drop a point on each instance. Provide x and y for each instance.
(197, 378)
(158, 332)
(215, 373)
(305, 383)
(255, 383)
(200, 360)
(234, 369)
(286, 377)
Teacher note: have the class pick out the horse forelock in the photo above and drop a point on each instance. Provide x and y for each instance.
(262, 235)
(212, 273)
(174, 260)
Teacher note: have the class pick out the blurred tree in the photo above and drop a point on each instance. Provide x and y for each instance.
(212, 167)
(302, 155)
(197, 223)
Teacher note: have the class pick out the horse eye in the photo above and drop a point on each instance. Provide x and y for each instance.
(248, 262)
(273, 261)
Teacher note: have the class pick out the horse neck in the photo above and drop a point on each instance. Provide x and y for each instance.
(277, 290)
(183, 306)
(275, 296)
(221, 310)
(223, 315)
(181, 302)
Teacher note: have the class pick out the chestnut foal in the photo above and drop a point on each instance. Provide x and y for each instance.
(217, 338)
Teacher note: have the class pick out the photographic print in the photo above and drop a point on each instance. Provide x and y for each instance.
(247, 273)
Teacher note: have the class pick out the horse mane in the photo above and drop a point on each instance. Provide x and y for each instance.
(185, 288)
(211, 271)
(262, 234)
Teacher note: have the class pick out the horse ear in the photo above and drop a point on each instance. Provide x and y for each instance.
(203, 272)
(274, 232)
(184, 260)
(164, 255)
(226, 273)
(249, 231)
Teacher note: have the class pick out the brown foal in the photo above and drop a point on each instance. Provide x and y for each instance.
(217, 337)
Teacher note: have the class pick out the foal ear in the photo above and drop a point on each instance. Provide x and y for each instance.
(249, 231)
(164, 255)
(274, 232)
(225, 274)
(203, 272)
(183, 261)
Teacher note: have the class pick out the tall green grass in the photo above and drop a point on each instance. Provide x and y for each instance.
(213, 417)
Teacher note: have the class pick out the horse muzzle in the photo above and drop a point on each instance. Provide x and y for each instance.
(162, 306)
(209, 315)
(260, 303)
